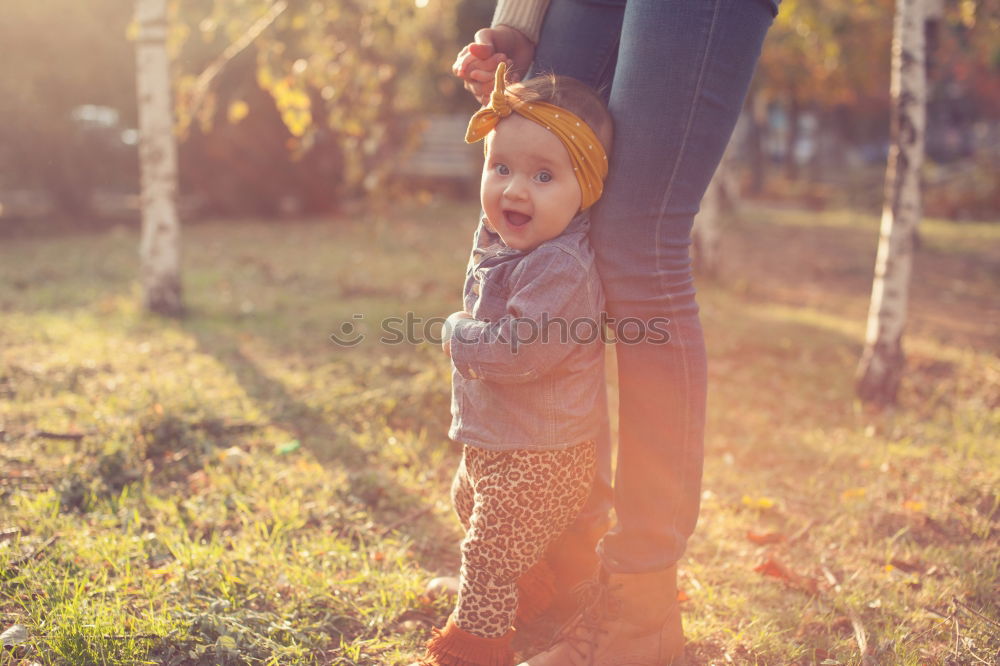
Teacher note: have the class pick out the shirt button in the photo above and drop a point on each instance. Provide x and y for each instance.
(472, 373)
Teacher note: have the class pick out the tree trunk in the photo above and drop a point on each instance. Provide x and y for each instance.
(721, 197)
(881, 365)
(757, 110)
(708, 230)
(160, 244)
(792, 138)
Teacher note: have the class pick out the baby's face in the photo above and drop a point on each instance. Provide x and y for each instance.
(529, 189)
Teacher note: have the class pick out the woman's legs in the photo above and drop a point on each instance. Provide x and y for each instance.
(580, 39)
(682, 71)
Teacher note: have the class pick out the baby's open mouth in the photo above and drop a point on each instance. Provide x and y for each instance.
(516, 219)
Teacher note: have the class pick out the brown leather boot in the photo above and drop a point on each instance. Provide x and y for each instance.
(627, 620)
(573, 559)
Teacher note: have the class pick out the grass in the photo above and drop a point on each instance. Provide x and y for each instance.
(239, 490)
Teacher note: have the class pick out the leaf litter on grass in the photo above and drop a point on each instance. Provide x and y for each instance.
(320, 549)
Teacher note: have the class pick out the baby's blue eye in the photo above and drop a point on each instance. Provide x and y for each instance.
(544, 177)
(502, 169)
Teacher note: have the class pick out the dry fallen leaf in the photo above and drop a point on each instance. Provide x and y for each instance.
(7, 533)
(764, 538)
(14, 635)
(908, 567)
(771, 567)
(853, 494)
(234, 457)
(758, 502)
(775, 569)
(842, 625)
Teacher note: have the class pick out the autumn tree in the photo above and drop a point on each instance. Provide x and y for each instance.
(160, 243)
(352, 77)
(824, 55)
(881, 364)
(335, 68)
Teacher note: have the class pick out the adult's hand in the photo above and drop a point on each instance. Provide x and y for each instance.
(477, 62)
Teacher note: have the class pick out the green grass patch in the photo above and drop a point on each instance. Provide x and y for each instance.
(234, 488)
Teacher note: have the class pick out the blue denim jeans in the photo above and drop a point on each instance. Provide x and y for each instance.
(675, 73)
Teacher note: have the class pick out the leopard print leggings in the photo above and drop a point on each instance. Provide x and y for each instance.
(512, 504)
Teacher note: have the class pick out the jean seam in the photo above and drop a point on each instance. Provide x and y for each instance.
(659, 226)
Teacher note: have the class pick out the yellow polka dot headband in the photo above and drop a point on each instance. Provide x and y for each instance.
(585, 150)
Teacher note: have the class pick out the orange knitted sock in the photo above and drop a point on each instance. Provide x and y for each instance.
(453, 646)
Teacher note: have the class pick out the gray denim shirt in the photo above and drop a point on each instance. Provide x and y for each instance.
(528, 368)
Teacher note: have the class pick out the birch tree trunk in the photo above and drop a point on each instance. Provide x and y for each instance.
(708, 230)
(881, 365)
(721, 197)
(159, 247)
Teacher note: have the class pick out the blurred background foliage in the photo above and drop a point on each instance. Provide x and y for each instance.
(820, 103)
(55, 57)
(323, 105)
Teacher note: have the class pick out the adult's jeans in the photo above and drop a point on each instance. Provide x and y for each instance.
(675, 73)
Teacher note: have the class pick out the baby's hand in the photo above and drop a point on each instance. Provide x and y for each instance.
(449, 328)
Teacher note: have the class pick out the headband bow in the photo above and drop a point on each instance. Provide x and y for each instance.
(585, 150)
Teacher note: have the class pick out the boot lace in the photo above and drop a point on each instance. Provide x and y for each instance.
(583, 632)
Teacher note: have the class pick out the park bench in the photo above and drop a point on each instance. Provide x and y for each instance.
(442, 154)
